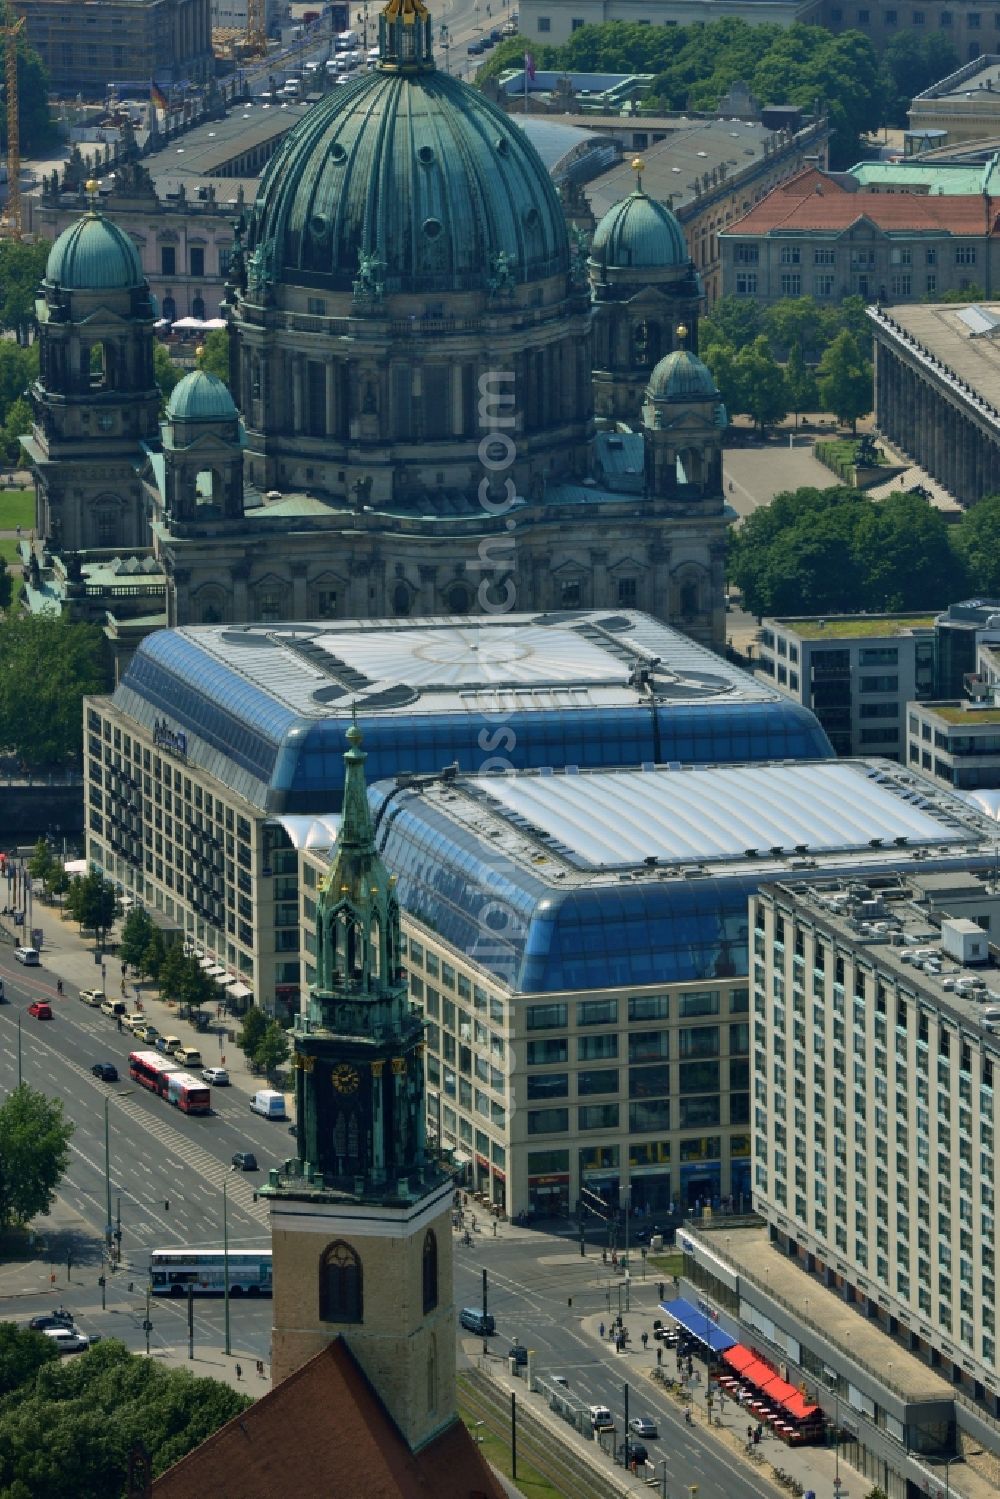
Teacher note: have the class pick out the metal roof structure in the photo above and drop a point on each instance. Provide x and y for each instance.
(556, 882)
(264, 707)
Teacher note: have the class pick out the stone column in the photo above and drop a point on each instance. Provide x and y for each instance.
(240, 575)
(299, 600)
(599, 596)
(427, 591)
(296, 362)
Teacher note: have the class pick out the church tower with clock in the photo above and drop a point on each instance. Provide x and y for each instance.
(360, 1218)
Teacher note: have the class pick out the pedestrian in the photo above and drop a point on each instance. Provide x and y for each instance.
(119, 1023)
(601, 1332)
(645, 1340)
(749, 1433)
(604, 1256)
(659, 1357)
(494, 1228)
(239, 1372)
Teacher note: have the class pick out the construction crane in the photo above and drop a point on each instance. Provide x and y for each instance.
(10, 224)
(256, 45)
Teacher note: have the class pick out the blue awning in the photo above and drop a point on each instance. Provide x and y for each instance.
(699, 1324)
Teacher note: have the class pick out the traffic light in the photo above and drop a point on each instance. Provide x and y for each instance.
(166, 1205)
(101, 1282)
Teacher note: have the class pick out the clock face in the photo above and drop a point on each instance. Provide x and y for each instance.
(105, 423)
(346, 1078)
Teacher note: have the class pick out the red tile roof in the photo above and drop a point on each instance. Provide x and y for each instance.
(325, 1431)
(813, 201)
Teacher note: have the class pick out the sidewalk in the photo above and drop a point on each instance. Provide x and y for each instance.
(68, 956)
(814, 1467)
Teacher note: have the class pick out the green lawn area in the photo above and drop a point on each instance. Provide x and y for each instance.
(17, 508)
(529, 1481)
(8, 548)
(666, 1264)
(854, 626)
(968, 716)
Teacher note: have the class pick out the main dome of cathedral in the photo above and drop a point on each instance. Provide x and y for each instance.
(409, 178)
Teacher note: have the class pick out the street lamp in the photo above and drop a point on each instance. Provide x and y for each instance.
(225, 1259)
(945, 1463)
(108, 1225)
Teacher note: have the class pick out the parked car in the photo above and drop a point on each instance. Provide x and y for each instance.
(93, 997)
(635, 1452)
(106, 1071)
(245, 1160)
(216, 1075)
(114, 1008)
(643, 1426)
(40, 1009)
(518, 1353)
(168, 1044)
(146, 1032)
(131, 1022)
(44, 1320)
(67, 1339)
(28, 956)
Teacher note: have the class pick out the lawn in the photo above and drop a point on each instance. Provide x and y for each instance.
(529, 1480)
(17, 508)
(8, 549)
(666, 1264)
(857, 626)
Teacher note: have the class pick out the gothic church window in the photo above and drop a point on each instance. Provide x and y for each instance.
(340, 1284)
(430, 1272)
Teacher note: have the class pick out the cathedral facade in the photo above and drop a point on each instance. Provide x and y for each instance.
(443, 401)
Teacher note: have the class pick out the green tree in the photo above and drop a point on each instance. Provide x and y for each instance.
(969, 293)
(34, 119)
(845, 380)
(165, 372)
(83, 1416)
(34, 1154)
(195, 987)
(800, 384)
(976, 539)
(17, 424)
(904, 551)
(51, 663)
(93, 902)
(733, 321)
(18, 366)
(213, 356)
(22, 1354)
(40, 860)
(22, 267)
(272, 1050)
(173, 972)
(137, 930)
(911, 62)
(721, 360)
(252, 1032)
(56, 880)
(762, 393)
(154, 956)
(792, 323)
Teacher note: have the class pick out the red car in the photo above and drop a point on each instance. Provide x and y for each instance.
(40, 1010)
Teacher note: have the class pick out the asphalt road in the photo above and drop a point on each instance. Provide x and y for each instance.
(158, 1154)
(530, 1281)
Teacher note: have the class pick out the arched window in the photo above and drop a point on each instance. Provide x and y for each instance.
(689, 600)
(340, 1287)
(430, 1271)
(401, 599)
(198, 307)
(457, 599)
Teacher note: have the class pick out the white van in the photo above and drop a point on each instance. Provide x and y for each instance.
(601, 1418)
(269, 1103)
(28, 956)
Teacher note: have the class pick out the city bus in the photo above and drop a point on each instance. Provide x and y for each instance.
(171, 1271)
(189, 1094)
(152, 1070)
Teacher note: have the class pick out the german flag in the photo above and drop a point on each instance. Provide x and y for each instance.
(158, 98)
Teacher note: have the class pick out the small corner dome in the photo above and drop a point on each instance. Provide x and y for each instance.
(639, 231)
(681, 376)
(200, 397)
(94, 255)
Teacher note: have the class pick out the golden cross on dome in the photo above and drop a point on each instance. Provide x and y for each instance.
(638, 167)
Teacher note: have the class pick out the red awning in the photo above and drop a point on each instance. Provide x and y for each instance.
(738, 1357)
(779, 1389)
(796, 1405)
(758, 1374)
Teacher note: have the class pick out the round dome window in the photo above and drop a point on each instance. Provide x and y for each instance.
(531, 218)
(425, 155)
(432, 228)
(338, 154)
(503, 146)
(319, 224)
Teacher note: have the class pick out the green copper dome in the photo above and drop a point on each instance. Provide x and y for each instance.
(639, 231)
(406, 180)
(94, 255)
(681, 376)
(200, 397)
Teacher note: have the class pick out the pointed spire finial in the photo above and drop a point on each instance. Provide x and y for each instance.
(638, 167)
(355, 825)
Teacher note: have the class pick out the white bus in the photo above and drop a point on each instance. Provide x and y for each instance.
(171, 1271)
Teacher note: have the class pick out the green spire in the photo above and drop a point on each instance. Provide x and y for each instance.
(356, 823)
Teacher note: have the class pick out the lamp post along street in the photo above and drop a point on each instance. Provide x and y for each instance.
(18, 1051)
(225, 1260)
(108, 1223)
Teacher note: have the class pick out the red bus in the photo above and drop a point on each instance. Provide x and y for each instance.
(189, 1094)
(151, 1070)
